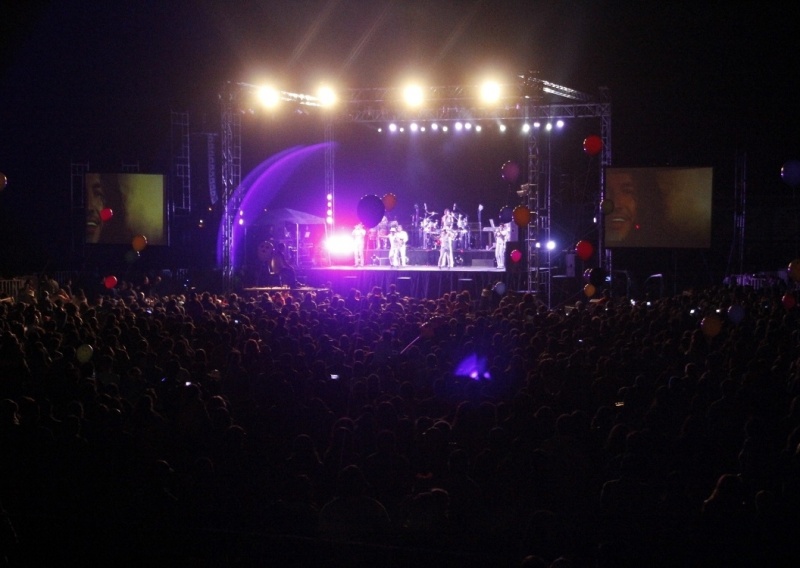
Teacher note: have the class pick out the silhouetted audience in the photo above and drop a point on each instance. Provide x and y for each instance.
(483, 432)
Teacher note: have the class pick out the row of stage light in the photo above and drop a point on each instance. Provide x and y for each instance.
(466, 126)
(412, 96)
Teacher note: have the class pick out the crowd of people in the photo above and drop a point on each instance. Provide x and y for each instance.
(341, 428)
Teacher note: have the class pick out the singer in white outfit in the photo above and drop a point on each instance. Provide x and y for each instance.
(501, 236)
(446, 248)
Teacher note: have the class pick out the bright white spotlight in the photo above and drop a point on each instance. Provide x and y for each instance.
(537, 124)
(502, 128)
(548, 127)
(478, 128)
(490, 92)
(413, 127)
(339, 244)
(459, 126)
(422, 129)
(327, 96)
(560, 124)
(434, 126)
(468, 125)
(241, 221)
(269, 96)
(393, 127)
(551, 245)
(413, 95)
(526, 128)
(444, 128)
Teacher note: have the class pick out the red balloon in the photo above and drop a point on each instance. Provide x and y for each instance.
(516, 256)
(584, 250)
(110, 282)
(106, 214)
(389, 201)
(592, 145)
(788, 301)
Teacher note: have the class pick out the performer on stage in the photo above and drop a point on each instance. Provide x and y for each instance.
(401, 240)
(394, 248)
(448, 220)
(383, 233)
(359, 236)
(446, 248)
(501, 236)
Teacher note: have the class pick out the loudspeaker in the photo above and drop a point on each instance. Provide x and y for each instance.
(570, 265)
(521, 264)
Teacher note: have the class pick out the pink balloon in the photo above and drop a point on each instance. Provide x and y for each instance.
(516, 256)
(510, 171)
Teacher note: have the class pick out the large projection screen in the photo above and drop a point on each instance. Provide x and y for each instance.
(122, 206)
(666, 207)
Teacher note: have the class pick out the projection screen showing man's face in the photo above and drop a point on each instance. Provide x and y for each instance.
(658, 207)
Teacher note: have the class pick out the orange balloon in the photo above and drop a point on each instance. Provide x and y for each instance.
(389, 201)
(139, 243)
(711, 325)
(522, 215)
(794, 270)
(589, 290)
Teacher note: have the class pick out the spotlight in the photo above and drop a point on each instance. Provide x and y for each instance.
(269, 96)
(490, 92)
(413, 127)
(502, 128)
(393, 127)
(327, 97)
(413, 95)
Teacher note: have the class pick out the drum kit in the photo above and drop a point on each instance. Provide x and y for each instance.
(431, 231)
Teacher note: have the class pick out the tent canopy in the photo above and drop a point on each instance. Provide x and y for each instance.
(285, 215)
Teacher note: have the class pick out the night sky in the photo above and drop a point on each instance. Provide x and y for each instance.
(690, 85)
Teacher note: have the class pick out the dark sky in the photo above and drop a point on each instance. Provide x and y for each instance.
(690, 84)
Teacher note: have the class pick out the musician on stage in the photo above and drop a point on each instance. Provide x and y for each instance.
(501, 236)
(401, 237)
(446, 248)
(383, 233)
(359, 237)
(448, 220)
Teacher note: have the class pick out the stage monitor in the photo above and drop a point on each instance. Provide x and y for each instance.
(122, 206)
(667, 207)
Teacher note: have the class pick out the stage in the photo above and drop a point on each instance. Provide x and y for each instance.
(474, 271)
